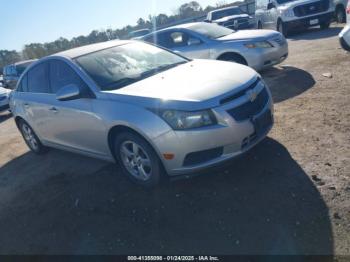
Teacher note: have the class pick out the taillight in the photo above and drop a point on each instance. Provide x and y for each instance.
(348, 10)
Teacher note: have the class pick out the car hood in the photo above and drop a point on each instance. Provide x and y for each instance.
(248, 34)
(196, 84)
(227, 18)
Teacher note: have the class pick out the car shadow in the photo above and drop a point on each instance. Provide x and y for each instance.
(4, 116)
(313, 33)
(262, 203)
(287, 82)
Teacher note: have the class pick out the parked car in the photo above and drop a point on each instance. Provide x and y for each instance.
(344, 36)
(138, 33)
(340, 10)
(13, 72)
(150, 109)
(258, 49)
(4, 99)
(284, 15)
(231, 17)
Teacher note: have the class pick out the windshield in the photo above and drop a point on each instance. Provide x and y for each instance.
(211, 31)
(281, 2)
(123, 65)
(226, 12)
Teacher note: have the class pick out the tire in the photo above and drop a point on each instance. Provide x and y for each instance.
(260, 25)
(340, 15)
(325, 25)
(31, 138)
(282, 28)
(233, 58)
(138, 160)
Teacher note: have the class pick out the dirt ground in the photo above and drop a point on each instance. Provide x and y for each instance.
(289, 195)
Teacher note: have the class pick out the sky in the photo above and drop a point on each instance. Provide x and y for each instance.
(28, 21)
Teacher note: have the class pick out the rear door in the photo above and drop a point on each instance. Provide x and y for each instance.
(35, 98)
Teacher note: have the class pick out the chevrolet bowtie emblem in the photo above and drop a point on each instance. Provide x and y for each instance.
(252, 95)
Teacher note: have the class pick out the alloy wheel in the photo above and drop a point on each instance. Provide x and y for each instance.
(29, 136)
(136, 160)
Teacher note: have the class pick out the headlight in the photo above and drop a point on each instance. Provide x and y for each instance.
(263, 44)
(180, 120)
(287, 12)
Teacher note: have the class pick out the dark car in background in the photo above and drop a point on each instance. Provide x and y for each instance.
(231, 17)
(11, 73)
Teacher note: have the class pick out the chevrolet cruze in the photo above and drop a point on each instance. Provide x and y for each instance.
(151, 110)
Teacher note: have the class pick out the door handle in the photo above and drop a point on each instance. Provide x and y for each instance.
(53, 109)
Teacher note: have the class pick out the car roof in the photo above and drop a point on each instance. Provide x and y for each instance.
(83, 50)
(182, 26)
(26, 62)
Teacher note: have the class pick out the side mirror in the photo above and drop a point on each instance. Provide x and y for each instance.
(193, 41)
(68, 92)
(270, 6)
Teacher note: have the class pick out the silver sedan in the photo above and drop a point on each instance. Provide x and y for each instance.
(258, 49)
(147, 108)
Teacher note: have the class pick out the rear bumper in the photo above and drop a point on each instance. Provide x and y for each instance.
(305, 22)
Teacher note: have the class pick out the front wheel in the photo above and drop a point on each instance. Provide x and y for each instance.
(282, 28)
(138, 159)
(31, 138)
(340, 15)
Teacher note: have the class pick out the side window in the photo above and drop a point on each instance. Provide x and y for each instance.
(38, 79)
(179, 39)
(62, 74)
(164, 39)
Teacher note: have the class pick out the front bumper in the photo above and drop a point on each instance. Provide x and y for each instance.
(232, 137)
(306, 22)
(344, 38)
(263, 58)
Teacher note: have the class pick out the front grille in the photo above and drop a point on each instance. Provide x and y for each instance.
(312, 8)
(239, 93)
(196, 158)
(250, 109)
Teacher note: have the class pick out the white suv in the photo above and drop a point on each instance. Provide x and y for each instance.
(282, 15)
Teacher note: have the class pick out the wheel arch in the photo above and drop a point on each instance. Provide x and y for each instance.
(231, 53)
(120, 128)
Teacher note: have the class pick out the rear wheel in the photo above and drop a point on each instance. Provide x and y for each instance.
(340, 15)
(282, 28)
(325, 25)
(138, 159)
(31, 138)
(259, 25)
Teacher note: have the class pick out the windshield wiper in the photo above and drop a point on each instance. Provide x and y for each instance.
(161, 68)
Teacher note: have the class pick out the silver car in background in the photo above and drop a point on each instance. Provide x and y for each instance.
(4, 99)
(144, 106)
(258, 49)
